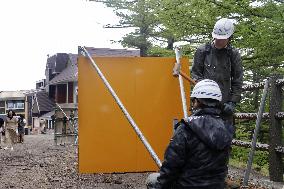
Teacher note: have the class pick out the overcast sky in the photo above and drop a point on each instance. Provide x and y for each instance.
(31, 29)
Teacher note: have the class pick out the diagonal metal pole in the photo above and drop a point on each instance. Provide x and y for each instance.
(256, 130)
(85, 53)
(183, 99)
(62, 110)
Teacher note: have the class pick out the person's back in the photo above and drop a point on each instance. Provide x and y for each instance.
(21, 131)
(198, 153)
(204, 142)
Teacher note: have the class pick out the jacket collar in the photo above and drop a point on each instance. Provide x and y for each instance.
(208, 111)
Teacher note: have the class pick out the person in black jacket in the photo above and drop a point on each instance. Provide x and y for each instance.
(221, 62)
(198, 153)
(21, 129)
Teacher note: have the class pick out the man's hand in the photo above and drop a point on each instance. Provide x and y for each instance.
(229, 108)
(176, 70)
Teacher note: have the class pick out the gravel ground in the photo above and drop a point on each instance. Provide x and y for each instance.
(38, 163)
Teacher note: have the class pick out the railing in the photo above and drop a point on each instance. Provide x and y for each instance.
(275, 117)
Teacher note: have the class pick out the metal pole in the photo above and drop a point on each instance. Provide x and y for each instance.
(256, 130)
(183, 99)
(85, 53)
(62, 110)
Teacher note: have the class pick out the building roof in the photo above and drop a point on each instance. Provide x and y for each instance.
(12, 95)
(107, 52)
(48, 115)
(70, 74)
(43, 102)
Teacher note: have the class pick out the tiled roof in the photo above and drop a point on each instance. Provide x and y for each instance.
(43, 101)
(70, 73)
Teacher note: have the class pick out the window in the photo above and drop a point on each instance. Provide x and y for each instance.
(10, 105)
(20, 105)
(15, 105)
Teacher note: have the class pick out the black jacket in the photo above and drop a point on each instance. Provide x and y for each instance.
(221, 65)
(198, 153)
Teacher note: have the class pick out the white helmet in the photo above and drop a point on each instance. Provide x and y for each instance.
(208, 89)
(223, 29)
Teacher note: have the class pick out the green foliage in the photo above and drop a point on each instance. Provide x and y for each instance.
(160, 52)
(240, 155)
(163, 52)
(140, 15)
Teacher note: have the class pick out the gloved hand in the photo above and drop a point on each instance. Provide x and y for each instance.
(176, 70)
(229, 108)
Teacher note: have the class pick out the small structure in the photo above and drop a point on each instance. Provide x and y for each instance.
(41, 105)
(16, 101)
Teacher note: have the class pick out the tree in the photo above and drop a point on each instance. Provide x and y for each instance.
(138, 15)
(259, 28)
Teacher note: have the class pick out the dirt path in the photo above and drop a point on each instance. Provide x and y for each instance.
(38, 163)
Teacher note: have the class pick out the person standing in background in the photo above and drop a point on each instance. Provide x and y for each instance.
(21, 131)
(1, 130)
(11, 130)
(221, 62)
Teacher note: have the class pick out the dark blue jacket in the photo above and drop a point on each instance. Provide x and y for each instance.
(221, 65)
(198, 153)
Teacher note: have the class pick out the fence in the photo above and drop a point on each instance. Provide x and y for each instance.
(275, 117)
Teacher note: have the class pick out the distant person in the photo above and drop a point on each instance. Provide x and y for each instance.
(198, 153)
(1, 130)
(42, 126)
(21, 128)
(11, 130)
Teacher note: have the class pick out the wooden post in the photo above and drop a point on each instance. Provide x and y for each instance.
(275, 133)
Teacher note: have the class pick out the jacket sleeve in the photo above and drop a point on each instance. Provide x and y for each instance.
(198, 64)
(236, 76)
(174, 160)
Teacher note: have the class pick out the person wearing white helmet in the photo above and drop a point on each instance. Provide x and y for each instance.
(221, 62)
(198, 153)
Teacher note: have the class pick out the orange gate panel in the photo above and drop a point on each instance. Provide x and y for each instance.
(146, 87)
